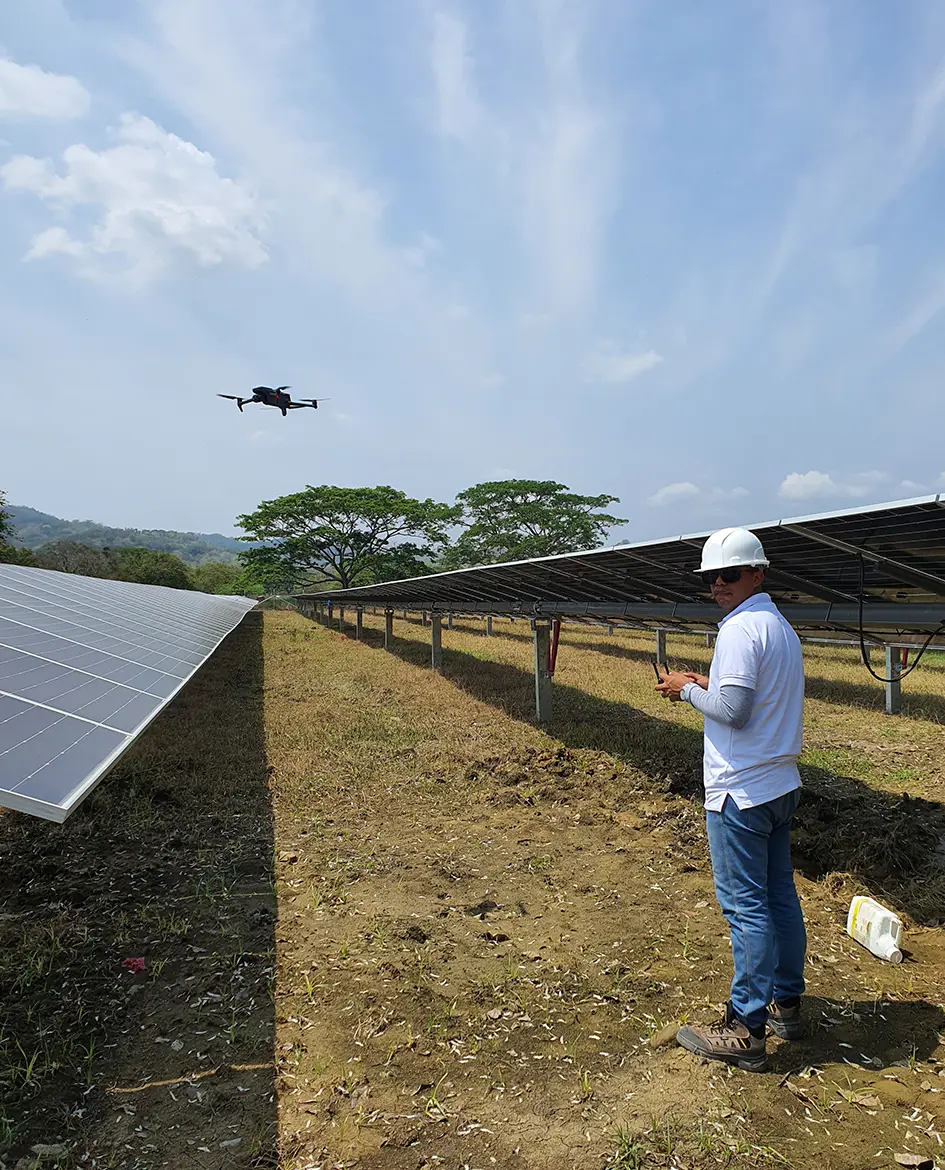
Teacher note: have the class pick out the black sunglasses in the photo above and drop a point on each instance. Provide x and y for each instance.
(729, 576)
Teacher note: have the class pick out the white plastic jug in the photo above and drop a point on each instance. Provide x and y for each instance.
(878, 929)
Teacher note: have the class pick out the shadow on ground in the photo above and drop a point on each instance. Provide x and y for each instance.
(891, 843)
(890, 1034)
(169, 861)
(868, 694)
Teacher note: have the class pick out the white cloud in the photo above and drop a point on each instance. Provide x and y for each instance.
(673, 493)
(606, 363)
(224, 65)
(154, 194)
(457, 104)
(806, 485)
(809, 485)
(31, 91)
(547, 159)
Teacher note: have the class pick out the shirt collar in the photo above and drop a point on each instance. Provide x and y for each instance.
(756, 601)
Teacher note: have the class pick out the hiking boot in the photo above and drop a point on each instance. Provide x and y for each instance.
(785, 1022)
(730, 1041)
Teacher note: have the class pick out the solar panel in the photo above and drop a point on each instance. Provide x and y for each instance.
(896, 550)
(85, 665)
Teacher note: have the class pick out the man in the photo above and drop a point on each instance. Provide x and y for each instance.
(753, 705)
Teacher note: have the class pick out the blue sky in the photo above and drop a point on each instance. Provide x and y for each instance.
(692, 255)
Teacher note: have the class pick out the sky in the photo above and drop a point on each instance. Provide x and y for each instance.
(691, 255)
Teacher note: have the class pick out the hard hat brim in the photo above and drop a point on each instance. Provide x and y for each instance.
(719, 568)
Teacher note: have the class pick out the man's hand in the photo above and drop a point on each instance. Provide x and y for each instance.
(699, 679)
(670, 685)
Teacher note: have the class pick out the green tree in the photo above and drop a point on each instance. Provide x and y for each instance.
(9, 553)
(6, 521)
(515, 519)
(217, 577)
(149, 567)
(71, 556)
(343, 536)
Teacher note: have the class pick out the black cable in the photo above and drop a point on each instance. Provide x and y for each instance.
(864, 653)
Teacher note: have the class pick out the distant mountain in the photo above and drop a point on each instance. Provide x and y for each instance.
(34, 529)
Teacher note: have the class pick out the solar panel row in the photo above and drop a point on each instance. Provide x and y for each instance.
(817, 564)
(85, 665)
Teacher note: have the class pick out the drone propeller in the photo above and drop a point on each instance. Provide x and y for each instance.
(234, 397)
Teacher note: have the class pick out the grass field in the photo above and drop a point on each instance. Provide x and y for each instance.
(388, 923)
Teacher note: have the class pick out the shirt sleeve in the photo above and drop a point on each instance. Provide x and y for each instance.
(730, 705)
(737, 657)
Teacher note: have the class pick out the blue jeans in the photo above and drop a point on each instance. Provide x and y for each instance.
(754, 883)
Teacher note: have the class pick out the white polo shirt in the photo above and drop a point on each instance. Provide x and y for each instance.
(757, 649)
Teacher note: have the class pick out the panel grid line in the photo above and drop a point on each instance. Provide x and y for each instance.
(80, 670)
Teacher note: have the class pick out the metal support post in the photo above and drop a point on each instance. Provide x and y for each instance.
(543, 683)
(329, 614)
(661, 646)
(388, 628)
(359, 623)
(449, 621)
(894, 683)
(341, 619)
(405, 615)
(436, 642)
(610, 629)
(489, 627)
(423, 616)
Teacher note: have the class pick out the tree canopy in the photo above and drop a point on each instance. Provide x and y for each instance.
(150, 567)
(217, 577)
(71, 556)
(6, 521)
(144, 565)
(9, 553)
(344, 536)
(336, 537)
(515, 519)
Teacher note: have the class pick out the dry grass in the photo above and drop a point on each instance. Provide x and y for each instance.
(480, 925)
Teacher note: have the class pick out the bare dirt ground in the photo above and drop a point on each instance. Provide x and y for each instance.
(388, 923)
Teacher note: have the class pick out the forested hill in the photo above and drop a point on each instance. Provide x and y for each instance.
(34, 529)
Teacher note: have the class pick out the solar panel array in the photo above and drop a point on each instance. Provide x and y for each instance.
(816, 564)
(85, 665)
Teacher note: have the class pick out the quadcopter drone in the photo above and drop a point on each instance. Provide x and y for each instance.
(273, 397)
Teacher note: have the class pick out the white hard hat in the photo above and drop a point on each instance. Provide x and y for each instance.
(730, 547)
